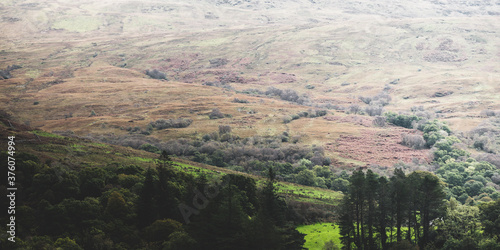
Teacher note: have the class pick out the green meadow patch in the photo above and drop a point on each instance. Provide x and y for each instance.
(309, 194)
(46, 134)
(140, 159)
(319, 234)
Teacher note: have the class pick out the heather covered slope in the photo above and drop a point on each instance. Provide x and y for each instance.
(86, 58)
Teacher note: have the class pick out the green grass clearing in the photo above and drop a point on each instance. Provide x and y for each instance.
(318, 234)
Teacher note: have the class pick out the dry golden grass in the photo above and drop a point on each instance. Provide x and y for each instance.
(91, 56)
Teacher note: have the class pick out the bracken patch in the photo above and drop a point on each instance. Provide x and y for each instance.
(374, 147)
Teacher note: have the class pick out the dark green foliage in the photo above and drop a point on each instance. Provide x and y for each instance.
(446, 150)
(305, 177)
(128, 207)
(171, 123)
(92, 181)
(156, 74)
(145, 205)
(405, 121)
(460, 227)
(490, 217)
(215, 114)
(150, 148)
(231, 220)
(287, 95)
(366, 215)
(434, 131)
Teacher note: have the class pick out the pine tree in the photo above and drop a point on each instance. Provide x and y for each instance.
(146, 205)
(384, 204)
(371, 189)
(431, 203)
(346, 222)
(399, 194)
(356, 190)
(165, 196)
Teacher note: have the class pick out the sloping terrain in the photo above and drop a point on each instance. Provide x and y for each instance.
(83, 65)
(79, 153)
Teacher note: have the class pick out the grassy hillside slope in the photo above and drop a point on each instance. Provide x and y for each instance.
(83, 66)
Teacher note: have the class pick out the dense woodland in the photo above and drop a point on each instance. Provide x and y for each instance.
(129, 207)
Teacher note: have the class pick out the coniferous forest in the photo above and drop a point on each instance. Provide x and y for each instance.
(128, 207)
(411, 212)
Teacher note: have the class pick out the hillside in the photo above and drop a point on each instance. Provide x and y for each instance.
(90, 56)
(78, 153)
(331, 99)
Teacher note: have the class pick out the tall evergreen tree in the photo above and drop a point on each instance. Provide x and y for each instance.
(145, 204)
(371, 189)
(384, 205)
(399, 194)
(432, 203)
(357, 193)
(165, 195)
(346, 222)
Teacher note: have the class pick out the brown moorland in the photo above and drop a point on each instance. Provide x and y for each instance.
(83, 66)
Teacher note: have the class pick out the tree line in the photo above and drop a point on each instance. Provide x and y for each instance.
(375, 209)
(131, 207)
(412, 212)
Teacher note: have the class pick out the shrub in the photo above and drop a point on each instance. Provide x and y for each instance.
(223, 129)
(402, 120)
(303, 114)
(382, 99)
(155, 74)
(321, 112)
(365, 99)
(434, 131)
(379, 121)
(395, 81)
(216, 114)
(171, 123)
(286, 119)
(150, 148)
(491, 158)
(286, 95)
(374, 110)
(253, 92)
(413, 141)
(236, 100)
(353, 109)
